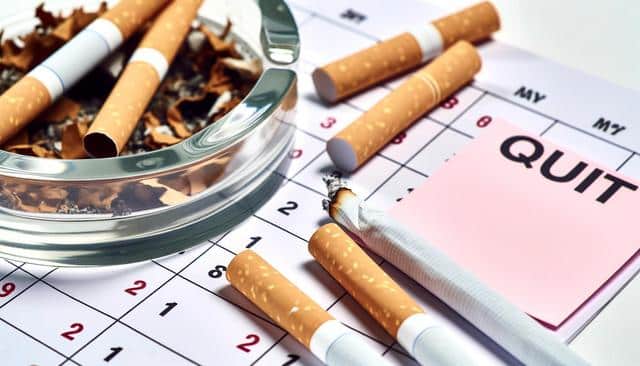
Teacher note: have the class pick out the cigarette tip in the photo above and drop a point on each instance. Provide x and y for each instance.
(326, 204)
(334, 184)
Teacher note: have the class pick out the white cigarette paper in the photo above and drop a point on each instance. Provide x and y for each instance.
(503, 322)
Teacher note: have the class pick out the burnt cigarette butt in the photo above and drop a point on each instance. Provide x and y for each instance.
(365, 281)
(114, 124)
(421, 334)
(427, 87)
(140, 79)
(24, 101)
(349, 75)
(298, 314)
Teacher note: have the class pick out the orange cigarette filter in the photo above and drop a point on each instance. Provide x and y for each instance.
(426, 88)
(269, 290)
(37, 90)
(365, 281)
(140, 79)
(354, 73)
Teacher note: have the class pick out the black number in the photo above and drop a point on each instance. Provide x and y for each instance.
(409, 190)
(114, 353)
(217, 272)
(254, 241)
(170, 305)
(291, 205)
(292, 359)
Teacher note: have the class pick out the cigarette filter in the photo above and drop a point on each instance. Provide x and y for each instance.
(121, 112)
(295, 312)
(403, 52)
(37, 90)
(507, 325)
(360, 140)
(423, 336)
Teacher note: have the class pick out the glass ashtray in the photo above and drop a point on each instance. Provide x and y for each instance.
(168, 199)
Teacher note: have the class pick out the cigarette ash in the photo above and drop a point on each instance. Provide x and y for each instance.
(209, 76)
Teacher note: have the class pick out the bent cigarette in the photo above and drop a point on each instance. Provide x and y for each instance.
(295, 312)
(422, 335)
(361, 139)
(122, 110)
(403, 52)
(37, 90)
(503, 322)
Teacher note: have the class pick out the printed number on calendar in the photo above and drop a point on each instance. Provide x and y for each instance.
(75, 329)
(114, 353)
(290, 206)
(217, 271)
(253, 339)
(7, 289)
(292, 359)
(137, 286)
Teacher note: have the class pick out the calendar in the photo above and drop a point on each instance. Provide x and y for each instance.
(180, 310)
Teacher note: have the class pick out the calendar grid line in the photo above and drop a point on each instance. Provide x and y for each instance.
(269, 349)
(377, 154)
(559, 121)
(548, 127)
(472, 85)
(9, 273)
(625, 161)
(393, 179)
(279, 227)
(337, 24)
(34, 338)
(26, 288)
(389, 348)
(119, 319)
(307, 165)
(223, 298)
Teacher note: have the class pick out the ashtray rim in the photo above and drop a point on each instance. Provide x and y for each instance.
(162, 160)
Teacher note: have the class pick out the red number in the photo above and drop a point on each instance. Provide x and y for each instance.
(449, 103)
(484, 121)
(328, 123)
(399, 138)
(138, 285)
(75, 329)
(295, 153)
(253, 340)
(7, 289)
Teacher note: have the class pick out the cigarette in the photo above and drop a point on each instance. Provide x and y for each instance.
(295, 312)
(37, 90)
(403, 52)
(491, 313)
(428, 340)
(140, 79)
(426, 88)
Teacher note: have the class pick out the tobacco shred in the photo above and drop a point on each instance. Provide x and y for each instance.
(208, 77)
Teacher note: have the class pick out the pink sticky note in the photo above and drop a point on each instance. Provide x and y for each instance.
(509, 209)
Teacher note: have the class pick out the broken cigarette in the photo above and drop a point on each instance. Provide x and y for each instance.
(295, 312)
(122, 110)
(491, 313)
(403, 52)
(427, 87)
(421, 334)
(37, 90)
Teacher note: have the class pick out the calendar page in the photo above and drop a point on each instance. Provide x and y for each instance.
(180, 310)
